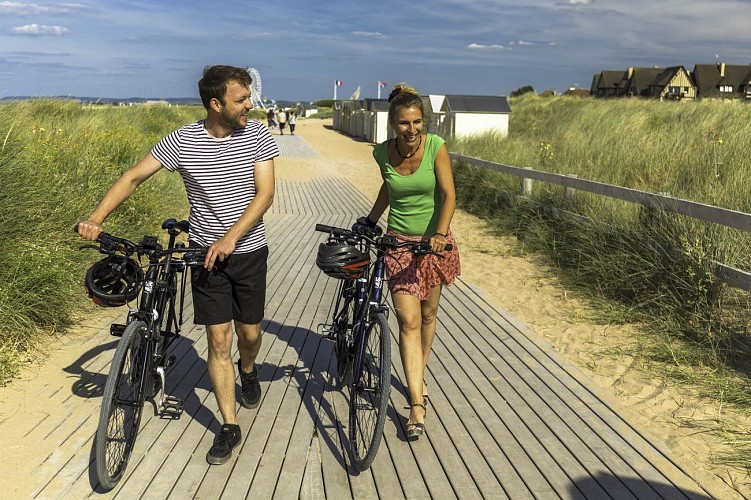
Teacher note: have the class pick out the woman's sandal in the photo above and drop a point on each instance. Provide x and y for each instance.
(417, 429)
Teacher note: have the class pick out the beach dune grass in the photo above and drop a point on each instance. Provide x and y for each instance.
(58, 158)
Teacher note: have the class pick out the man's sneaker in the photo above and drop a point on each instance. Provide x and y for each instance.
(229, 437)
(251, 388)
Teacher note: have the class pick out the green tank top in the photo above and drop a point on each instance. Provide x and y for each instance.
(415, 199)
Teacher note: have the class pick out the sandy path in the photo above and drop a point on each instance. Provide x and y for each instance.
(522, 286)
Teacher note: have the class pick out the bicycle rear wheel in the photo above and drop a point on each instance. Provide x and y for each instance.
(369, 393)
(122, 405)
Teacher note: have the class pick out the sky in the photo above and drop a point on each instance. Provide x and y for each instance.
(158, 49)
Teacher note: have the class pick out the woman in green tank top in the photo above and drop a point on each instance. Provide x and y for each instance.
(418, 186)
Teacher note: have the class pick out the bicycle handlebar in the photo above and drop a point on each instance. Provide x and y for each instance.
(372, 235)
(109, 244)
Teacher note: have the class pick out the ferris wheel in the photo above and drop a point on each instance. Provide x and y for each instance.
(256, 88)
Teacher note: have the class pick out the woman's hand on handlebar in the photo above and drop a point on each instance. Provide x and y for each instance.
(365, 221)
(89, 230)
(438, 243)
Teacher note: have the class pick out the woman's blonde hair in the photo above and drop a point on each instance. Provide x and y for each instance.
(403, 96)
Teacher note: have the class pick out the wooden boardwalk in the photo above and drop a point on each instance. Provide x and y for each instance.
(294, 146)
(509, 417)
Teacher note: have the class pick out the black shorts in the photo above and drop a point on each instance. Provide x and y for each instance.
(234, 290)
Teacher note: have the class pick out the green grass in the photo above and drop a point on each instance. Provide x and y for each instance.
(58, 158)
(633, 263)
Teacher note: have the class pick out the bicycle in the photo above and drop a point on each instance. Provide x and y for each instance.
(359, 327)
(139, 365)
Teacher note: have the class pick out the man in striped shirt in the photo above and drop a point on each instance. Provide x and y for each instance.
(226, 162)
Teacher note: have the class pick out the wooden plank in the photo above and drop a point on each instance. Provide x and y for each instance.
(294, 146)
(291, 471)
(79, 458)
(302, 345)
(533, 415)
(334, 462)
(529, 364)
(286, 282)
(312, 485)
(538, 418)
(199, 464)
(436, 455)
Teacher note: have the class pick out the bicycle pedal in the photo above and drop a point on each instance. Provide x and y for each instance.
(116, 330)
(172, 408)
(327, 331)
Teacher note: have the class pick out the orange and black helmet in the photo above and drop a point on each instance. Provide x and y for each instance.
(341, 260)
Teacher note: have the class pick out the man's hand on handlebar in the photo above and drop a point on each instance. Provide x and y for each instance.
(89, 230)
(219, 250)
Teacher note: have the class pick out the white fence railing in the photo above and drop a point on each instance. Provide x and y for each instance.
(723, 216)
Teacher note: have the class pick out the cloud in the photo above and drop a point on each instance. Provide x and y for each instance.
(29, 9)
(485, 48)
(586, 7)
(258, 36)
(39, 30)
(369, 34)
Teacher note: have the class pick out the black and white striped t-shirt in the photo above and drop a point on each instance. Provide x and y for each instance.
(219, 177)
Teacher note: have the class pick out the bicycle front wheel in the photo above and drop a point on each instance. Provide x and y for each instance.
(122, 405)
(369, 392)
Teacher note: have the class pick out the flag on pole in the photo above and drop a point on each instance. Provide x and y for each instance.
(337, 83)
(380, 86)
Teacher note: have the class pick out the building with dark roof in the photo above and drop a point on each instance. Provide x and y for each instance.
(475, 114)
(723, 80)
(718, 80)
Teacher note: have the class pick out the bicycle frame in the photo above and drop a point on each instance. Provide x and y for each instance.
(368, 348)
(159, 284)
(370, 300)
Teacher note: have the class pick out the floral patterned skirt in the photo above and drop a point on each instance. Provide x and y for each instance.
(416, 275)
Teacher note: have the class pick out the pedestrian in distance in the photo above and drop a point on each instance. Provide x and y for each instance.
(282, 117)
(292, 119)
(418, 189)
(270, 118)
(227, 163)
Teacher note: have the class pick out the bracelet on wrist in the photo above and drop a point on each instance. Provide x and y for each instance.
(440, 234)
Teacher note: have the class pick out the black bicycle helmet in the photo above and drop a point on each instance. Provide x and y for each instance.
(114, 281)
(341, 261)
